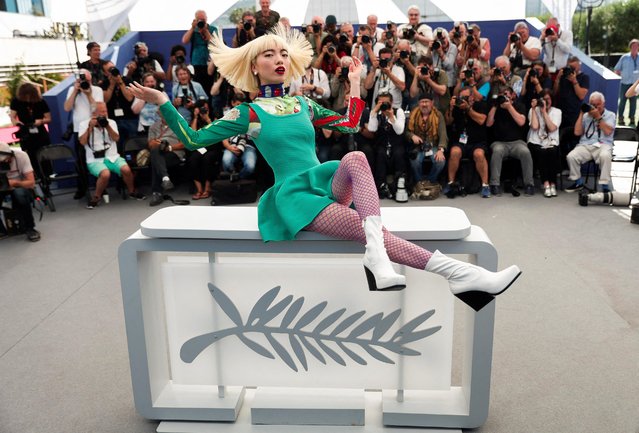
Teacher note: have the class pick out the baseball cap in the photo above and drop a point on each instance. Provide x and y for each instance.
(330, 19)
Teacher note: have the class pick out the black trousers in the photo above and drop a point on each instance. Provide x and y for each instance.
(161, 162)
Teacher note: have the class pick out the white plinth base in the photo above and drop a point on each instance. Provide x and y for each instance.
(290, 406)
(373, 424)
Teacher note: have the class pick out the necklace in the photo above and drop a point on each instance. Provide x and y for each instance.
(271, 90)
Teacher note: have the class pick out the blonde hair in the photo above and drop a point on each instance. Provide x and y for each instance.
(235, 63)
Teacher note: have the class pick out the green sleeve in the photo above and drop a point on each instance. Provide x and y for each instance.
(235, 122)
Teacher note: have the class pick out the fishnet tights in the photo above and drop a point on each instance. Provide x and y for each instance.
(353, 182)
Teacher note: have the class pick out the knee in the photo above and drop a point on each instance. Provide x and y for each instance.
(355, 157)
(455, 153)
(125, 170)
(479, 155)
(104, 175)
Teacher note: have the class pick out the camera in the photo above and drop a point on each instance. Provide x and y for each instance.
(331, 49)
(343, 38)
(164, 146)
(468, 73)
(460, 100)
(180, 59)
(383, 63)
(241, 144)
(423, 70)
(549, 32)
(541, 102)
(568, 70)
(389, 34)
(435, 73)
(470, 39)
(365, 39)
(385, 106)
(497, 72)
(247, 25)
(303, 28)
(585, 108)
(201, 24)
(115, 72)
(471, 63)
(439, 34)
(403, 54)
(102, 121)
(185, 96)
(498, 100)
(317, 27)
(99, 153)
(436, 45)
(533, 73)
(409, 33)
(201, 105)
(84, 84)
(514, 38)
(343, 76)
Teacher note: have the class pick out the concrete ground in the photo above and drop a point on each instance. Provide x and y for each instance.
(566, 348)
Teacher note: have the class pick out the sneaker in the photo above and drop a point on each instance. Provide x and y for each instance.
(93, 203)
(167, 185)
(452, 190)
(137, 195)
(485, 191)
(33, 235)
(495, 190)
(529, 191)
(385, 192)
(547, 191)
(553, 191)
(577, 186)
(156, 199)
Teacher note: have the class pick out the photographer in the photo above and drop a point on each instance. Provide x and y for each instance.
(204, 163)
(419, 35)
(387, 125)
(475, 47)
(346, 38)
(313, 84)
(315, 34)
(143, 63)
(543, 140)
(328, 60)
(444, 57)
(426, 132)
(385, 76)
(186, 92)
(377, 32)
(502, 76)
(340, 85)
(507, 118)
(30, 112)
(19, 171)
(147, 113)
(389, 37)
(119, 99)
(570, 88)
(177, 58)
(95, 64)
(199, 35)
(466, 118)
(595, 126)
(82, 98)
(521, 48)
(430, 80)
(457, 35)
(364, 48)
(536, 80)
(166, 152)
(472, 77)
(405, 59)
(239, 150)
(100, 135)
(245, 30)
(265, 18)
(557, 44)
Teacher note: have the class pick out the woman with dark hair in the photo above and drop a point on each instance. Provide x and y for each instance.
(330, 53)
(30, 113)
(536, 80)
(148, 112)
(335, 198)
(543, 140)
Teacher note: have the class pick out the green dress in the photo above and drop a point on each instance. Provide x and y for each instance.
(302, 186)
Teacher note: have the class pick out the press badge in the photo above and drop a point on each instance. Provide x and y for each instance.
(463, 138)
(33, 130)
(118, 112)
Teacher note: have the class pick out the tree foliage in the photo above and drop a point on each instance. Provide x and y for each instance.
(611, 28)
(236, 14)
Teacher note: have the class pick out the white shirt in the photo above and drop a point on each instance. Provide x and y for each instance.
(99, 139)
(558, 51)
(531, 43)
(317, 78)
(541, 136)
(384, 82)
(417, 47)
(398, 125)
(82, 107)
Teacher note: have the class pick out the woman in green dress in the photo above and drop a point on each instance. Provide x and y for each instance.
(336, 198)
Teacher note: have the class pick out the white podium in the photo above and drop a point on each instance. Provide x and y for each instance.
(212, 312)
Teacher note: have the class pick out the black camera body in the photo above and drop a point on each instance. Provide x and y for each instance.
(409, 33)
(389, 34)
(470, 39)
(468, 73)
(514, 38)
(498, 100)
(247, 25)
(164, 146)
(185, 96)
(586, 108)
(84, 83)
(201, 24)
(102, 121)
(533, 73)
(436, 45)
(497, 72)
(549, 32)
(180, 59)
(115, 72)
(423, 70)
(385, 106)
(403, 54)
(383, 63)
(541, 102)
(365, 39)
(460, 100)
(317, 28)
(99, 153)
(568, 70)
(343, 38)
(435, 73)
(439, 35)
(343, 76)
(201, 105)
(330, 49)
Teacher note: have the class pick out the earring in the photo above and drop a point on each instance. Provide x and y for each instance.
(254, 72)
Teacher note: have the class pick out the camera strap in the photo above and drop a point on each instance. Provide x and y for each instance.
(106, 144)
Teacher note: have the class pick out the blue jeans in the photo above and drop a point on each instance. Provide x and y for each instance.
(622, 103)
(417, 166)
(248, 158)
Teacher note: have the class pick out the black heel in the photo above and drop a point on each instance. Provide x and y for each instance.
(372, 284)
(475, 299)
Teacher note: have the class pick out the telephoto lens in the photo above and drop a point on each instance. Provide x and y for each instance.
(385, 106)
(102, 121)
(514, 38)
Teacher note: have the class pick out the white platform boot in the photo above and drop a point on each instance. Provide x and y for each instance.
(472, 284)
(379, 271)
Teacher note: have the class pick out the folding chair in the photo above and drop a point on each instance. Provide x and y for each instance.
(60, 157)
(626, 149)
